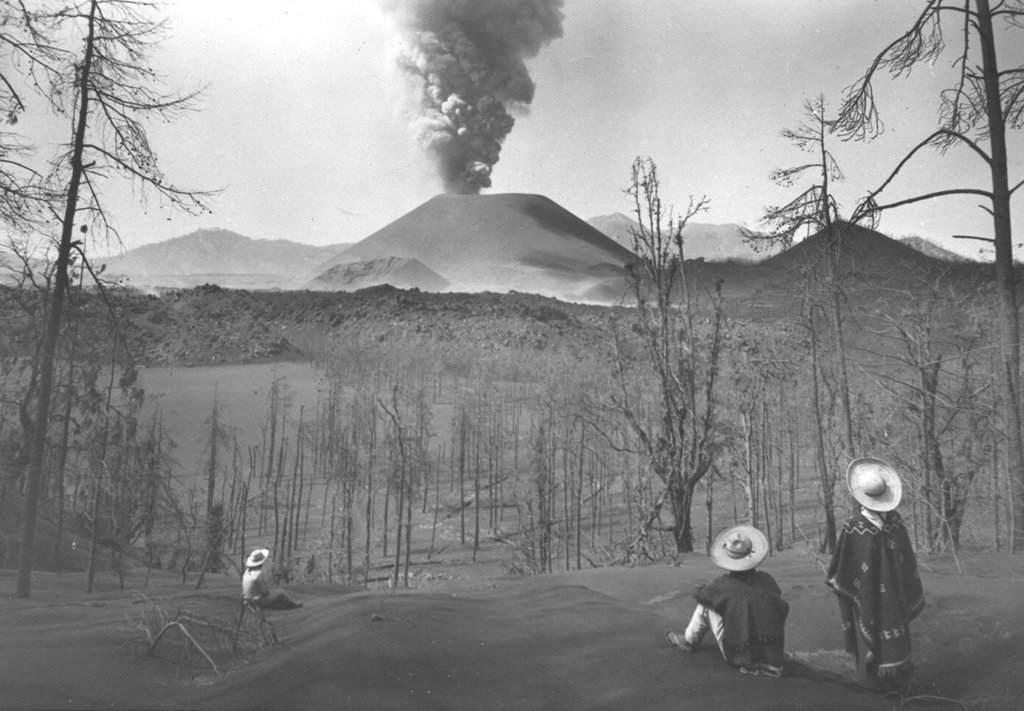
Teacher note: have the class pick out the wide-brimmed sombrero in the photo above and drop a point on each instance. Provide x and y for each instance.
(739, 547)
(874, 484)
(257, 558)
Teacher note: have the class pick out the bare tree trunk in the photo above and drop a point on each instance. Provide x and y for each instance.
(330, 545)
(369, 526)
(245, 513)
(839, 346)
(794, 474)
(779, 501)
(398, 524)
(349, 495)
(54, 317)
(211, 472)
(996, 502)
(750, 485)
(766, 479)
(300, 468)
(709, 502)
(462, 475)
(55, 554)
(278, 531)
(477, 436)
(387, 506)
(681, 500)
(579, 497)
(94, 536)
(403, 484)
(827, 491)
(372, 437)
(1005, 280)
(408, 535)
(437, 506)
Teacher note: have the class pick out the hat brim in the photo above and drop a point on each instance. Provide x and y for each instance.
(889, 499)
(758, 549)
(250, 562)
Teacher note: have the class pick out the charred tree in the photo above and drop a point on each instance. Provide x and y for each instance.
(104, 85)
(982, 103)
(683, 360)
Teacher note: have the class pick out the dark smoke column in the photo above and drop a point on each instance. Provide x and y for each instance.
(468, 60)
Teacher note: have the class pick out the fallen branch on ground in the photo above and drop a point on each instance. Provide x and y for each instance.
(202, 634)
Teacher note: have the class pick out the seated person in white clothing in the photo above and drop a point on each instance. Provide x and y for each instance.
(255, 588)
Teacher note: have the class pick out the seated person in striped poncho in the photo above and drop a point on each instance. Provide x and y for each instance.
(744, 608)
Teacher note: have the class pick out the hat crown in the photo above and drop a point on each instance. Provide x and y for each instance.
(738, 548)
(738, 545)
(873, 483)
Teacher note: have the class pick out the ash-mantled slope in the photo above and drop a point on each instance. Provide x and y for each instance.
(502, 242)
(857, 250)
(396, 271)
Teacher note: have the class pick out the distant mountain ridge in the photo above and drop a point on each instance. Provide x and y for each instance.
(617, 226)
(711, 242)
(931, 249)
(12, 266)
(500, 242)
(223, 257)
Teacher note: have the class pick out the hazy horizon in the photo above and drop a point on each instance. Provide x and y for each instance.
(310, 128)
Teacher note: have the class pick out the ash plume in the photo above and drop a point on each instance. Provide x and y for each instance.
(467, 58)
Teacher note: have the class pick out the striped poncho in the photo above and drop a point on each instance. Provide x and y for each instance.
(753, 616)
(874, 574)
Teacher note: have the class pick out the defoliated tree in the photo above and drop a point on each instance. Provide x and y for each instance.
(815, 211)
(982, 103)
(815, 208)
(23, 192)
(679, 438)
(91, 61)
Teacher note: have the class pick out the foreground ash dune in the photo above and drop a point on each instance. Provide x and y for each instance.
(587, 640)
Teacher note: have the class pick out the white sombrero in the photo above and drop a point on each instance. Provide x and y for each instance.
(874, 484)
(740, 547)
(257, 558)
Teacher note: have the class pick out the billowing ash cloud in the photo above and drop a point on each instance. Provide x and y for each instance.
(468, 58)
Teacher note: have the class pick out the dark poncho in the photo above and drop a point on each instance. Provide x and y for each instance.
(875, 576)
(753, 614)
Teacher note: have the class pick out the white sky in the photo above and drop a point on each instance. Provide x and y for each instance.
(304, 121)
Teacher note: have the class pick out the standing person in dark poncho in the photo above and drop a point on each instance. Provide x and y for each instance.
(744, 608)
(875, 577)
